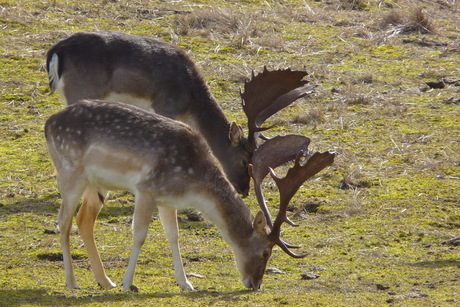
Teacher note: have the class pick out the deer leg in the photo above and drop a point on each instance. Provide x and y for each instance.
(143, 210)
(70, 198)
(169, 220)
(86, 219)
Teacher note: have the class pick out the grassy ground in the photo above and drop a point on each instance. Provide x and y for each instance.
(377, 224)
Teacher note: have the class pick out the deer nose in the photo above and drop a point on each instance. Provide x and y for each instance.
(255, 285)
(247, 283)
(242, 188)
(252, 284)
(243, 191)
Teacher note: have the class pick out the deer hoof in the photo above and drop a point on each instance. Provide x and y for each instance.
(108, 284)
(187, 286)
(72, 285)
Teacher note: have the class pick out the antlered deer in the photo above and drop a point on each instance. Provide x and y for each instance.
(98, 146)
(161, 78)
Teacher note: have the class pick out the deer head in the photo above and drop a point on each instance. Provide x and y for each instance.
(264, 95)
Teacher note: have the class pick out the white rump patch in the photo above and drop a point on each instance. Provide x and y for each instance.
(57, 84)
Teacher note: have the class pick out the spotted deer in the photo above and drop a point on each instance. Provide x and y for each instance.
(98, 146)
(161, 78)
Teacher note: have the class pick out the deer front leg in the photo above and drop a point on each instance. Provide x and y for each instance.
(86, 219)
(169, 220)
(143, 210)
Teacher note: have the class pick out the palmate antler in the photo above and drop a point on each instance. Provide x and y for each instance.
(272, 154)
(269, 92)
(290, 184)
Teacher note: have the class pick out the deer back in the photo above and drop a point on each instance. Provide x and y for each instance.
(95, 136)
(110, 63)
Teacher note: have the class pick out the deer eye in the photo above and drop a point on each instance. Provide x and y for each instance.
(265, 254)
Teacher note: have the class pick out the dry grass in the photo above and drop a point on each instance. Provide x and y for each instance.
(237, 26)
(314, 117)
(417, 22)
(210, 20)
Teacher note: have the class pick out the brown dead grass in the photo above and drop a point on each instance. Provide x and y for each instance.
(417, 22)
(239, 27)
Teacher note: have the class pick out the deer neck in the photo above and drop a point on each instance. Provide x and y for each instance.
(229, 213)
(210, 119)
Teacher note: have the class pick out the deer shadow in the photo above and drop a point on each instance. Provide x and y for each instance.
(437, 264)
(42, 297)
(49, 205)
(45, 205)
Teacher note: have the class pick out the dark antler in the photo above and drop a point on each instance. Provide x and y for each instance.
(269, 92)
(272, 154)
(264, 95)
(289, 185)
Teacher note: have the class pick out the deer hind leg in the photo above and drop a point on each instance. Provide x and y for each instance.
(71, 191)
(93, 201)
(169, 220)
(143, 211)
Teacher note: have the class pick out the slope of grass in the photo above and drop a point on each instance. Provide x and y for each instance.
(376, 224)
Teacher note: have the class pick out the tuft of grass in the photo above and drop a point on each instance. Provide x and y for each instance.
(241, 28)
(417, 22)
(314, 117)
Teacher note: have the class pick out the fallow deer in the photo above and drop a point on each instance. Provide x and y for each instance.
(159, 77)
(98, 146)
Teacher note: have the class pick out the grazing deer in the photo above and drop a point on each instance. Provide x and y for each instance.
(98, 146)
(161, 78)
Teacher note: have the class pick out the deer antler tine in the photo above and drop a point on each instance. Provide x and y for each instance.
(263, 137)
(286, 249)
(259, 196)
(289, 185)
(288, 245)
(288, 221)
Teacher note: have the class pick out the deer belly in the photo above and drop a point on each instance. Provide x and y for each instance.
(113, 169)
(140, 102)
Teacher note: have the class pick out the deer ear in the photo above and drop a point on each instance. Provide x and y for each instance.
(235, 134)
(260, 224)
